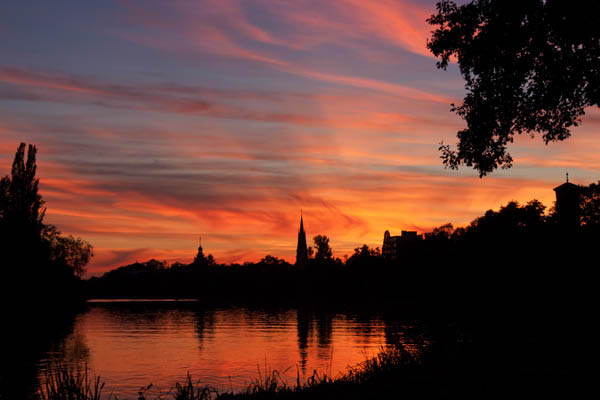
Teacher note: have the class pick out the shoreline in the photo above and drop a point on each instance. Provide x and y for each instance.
(375, 374)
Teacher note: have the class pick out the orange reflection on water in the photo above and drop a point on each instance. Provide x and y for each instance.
(132, 344)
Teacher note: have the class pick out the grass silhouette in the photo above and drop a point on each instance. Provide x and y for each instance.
(378, 374)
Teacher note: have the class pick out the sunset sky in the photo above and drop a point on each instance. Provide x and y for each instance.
(159, 121)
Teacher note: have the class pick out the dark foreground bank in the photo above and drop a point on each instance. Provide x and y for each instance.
(393, 373)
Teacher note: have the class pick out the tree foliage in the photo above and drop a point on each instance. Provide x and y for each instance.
(4, 195)
(68, 251)
(272, 260)
(590, 205)
(364, 257)
(365, 251)
(21, 206)
(24, 238)
(323, 249)
(443, 232)
(510, 222)
(529, 68)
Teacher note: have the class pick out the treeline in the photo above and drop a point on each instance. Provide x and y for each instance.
(517, 252)
(519, 249)
(38, 262)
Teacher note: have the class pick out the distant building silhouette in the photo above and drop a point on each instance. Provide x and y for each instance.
(200, 259)
(394, 246)
(301, 249)
(567, 204)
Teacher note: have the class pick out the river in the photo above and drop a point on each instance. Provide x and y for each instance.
(134, 343)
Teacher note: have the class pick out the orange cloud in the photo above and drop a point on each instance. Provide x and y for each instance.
(241, 114)
(399, 22)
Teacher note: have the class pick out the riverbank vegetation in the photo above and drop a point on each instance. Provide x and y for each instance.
(38, 262)
(41, 288)
(392, 372)
(463, 373)
(514, 254)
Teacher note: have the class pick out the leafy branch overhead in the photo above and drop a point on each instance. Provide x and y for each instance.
(528, 68)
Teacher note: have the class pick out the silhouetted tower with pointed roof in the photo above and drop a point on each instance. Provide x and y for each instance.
(567, 205)
(301, 250)
(200, 259)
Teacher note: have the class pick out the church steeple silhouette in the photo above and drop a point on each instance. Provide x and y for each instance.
(301, 249)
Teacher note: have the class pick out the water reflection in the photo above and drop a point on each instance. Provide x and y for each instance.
(131, 344)
(205, 322)
(304, 328)
(28, 342)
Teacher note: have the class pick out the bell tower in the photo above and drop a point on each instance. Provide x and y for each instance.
(567, 205)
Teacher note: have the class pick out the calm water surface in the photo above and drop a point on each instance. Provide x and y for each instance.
(134, 343)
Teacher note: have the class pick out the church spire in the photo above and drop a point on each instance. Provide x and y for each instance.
(301, 249)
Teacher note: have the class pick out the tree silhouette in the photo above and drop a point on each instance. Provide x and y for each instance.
(21, 208)
(272, 260)
(531, 68)
(24, 238)
(590, 204)
(509, 224)
(440, 239)
(4, 190)
(322, 246)
(365, 251)
(68, 251)
(365, 257)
